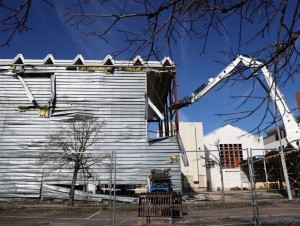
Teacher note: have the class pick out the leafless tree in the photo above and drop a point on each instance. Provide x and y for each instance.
(74, 146)
(210, 157)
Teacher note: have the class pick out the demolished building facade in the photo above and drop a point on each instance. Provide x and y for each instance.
(37, 96)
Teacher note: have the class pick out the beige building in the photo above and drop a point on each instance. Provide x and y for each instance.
(194, 175)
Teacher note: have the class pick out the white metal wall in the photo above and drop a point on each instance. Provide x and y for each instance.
(118, 99)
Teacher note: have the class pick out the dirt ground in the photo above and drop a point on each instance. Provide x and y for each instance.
(198, 209)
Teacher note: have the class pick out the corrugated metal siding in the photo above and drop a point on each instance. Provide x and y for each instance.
(118, 99)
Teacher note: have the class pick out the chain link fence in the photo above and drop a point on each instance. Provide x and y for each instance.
(236, 186)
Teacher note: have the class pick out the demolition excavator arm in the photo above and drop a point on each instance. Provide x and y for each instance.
(239, 64)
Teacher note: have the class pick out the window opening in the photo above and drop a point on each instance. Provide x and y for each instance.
(36, 93)
(230, 155)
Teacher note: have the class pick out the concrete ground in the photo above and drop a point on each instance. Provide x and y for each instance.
(273, 210)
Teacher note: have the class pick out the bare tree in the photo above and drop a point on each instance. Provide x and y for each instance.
(216, 160)
(74, 146)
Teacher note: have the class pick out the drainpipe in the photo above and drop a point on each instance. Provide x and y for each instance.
(197, 157)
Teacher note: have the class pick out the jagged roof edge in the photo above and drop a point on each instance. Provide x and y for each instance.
(79, 60)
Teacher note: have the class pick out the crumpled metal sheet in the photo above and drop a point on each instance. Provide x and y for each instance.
(118, 99)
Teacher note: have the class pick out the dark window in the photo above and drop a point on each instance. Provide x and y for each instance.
(282, 135)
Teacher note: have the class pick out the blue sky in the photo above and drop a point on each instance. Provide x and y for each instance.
(50, 35)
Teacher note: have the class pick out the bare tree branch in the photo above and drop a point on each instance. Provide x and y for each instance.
(162, 26)
(14, 18)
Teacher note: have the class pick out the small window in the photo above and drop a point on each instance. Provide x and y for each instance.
(230, 155)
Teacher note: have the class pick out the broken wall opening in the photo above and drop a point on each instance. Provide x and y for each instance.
(161, 93)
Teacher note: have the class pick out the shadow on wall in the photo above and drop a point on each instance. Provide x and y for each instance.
(186, 186)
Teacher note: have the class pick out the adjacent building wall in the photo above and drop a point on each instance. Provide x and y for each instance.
(272, 141)
(194, 175)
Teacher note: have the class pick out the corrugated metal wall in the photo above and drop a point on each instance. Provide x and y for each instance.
(118, 99)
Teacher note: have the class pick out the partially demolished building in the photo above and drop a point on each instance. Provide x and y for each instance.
(36, 96)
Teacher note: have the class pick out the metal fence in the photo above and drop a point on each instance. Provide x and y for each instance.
(247, 186)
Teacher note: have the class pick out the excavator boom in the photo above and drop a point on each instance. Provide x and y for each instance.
(231, 69)
(240, 64)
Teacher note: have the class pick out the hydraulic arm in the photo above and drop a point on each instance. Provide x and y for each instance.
(240, 64)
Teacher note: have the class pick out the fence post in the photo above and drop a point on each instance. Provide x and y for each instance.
(111, 222)
(253, 187)
(41, 189)
(115, 182)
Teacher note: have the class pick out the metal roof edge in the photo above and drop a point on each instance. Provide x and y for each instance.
(108, 61)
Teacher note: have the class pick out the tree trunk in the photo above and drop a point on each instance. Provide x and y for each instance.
(72, 189)
(222, 185)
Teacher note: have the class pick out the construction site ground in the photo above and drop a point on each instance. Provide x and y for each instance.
(198, 209)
